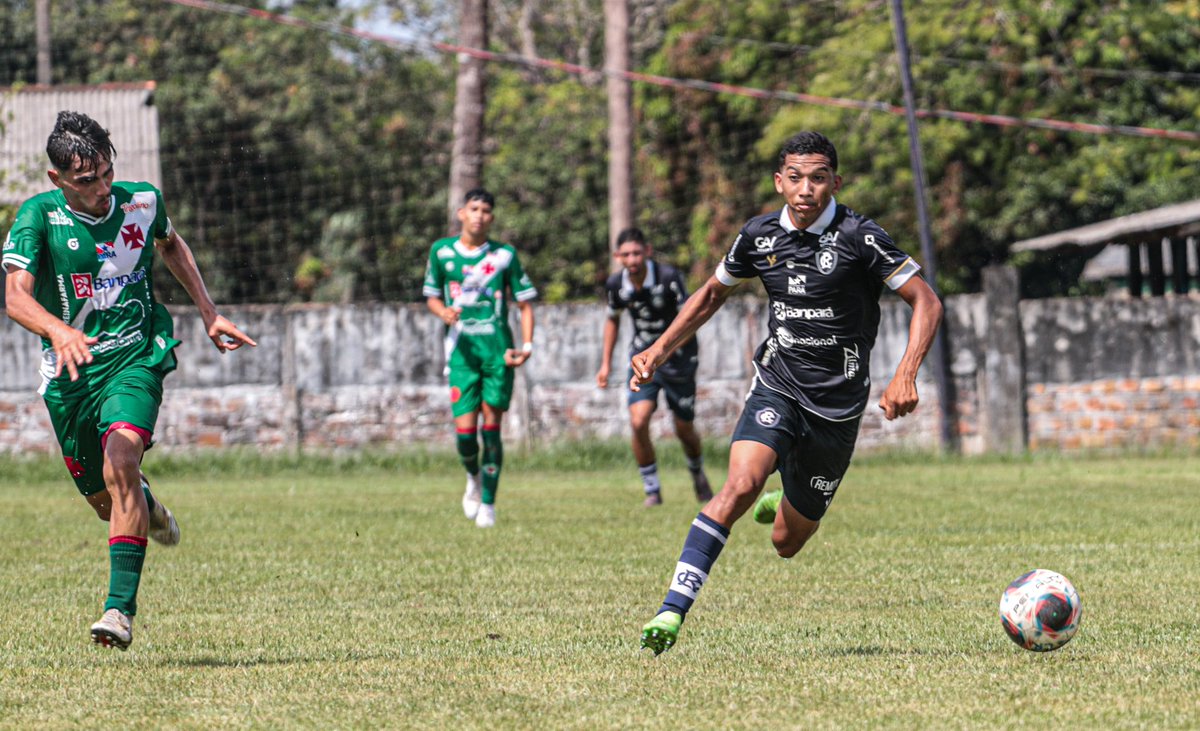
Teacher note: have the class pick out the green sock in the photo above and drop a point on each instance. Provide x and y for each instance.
(125, 555)
(493, 459)
(468, 451)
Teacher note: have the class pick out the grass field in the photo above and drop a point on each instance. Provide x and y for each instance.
(353, 594)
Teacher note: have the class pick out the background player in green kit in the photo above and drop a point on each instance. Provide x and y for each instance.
(79, 276)
(467, 285)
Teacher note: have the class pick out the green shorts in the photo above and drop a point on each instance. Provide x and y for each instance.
(83, 420)
(477, 376)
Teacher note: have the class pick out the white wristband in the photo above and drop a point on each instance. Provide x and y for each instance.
(527, 348)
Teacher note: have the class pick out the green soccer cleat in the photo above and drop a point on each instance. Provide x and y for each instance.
(661, 632)
(767, 506)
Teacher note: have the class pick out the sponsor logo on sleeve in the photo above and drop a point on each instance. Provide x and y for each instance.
(82, 284)
(869, 240)
(733, 249)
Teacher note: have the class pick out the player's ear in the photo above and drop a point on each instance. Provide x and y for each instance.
(837, 183)
(779, 182)
(52, 173)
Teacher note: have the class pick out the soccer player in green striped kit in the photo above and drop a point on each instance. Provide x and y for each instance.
(79, 265)
(468, 282)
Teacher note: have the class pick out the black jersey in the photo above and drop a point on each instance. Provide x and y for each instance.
(653, 307)
(824, 284)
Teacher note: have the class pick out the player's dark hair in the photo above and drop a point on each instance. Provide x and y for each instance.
(631, 234)
(76, 135)
(809, 143)
(479, 194)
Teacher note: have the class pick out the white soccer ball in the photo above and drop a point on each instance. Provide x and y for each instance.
(1040, 611)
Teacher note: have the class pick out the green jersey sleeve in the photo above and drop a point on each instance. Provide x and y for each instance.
(518, 281)
(162, 223)
(26, 239)
(435, 278)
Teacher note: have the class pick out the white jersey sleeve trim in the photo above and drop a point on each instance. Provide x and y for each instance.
(903, 273)
(15, 260)
(724, 277)
(431, 291)
(527, 295)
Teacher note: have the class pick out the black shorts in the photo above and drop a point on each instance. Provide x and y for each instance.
(813, 453)
(681, 394)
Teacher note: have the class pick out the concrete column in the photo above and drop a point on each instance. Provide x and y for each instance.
(1003, 422)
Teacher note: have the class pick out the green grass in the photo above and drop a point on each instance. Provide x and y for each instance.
(322, 592)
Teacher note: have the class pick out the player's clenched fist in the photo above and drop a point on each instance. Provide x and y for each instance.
(644, 364)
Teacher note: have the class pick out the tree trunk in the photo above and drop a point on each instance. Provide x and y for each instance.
(620, 126)
(466, 156)
(42, 30)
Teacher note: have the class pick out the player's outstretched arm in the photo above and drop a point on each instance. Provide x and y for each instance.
(900, 396)
(696, 311)
(177, 255)
(71, 347)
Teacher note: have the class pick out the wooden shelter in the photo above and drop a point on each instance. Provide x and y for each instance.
(1159, 245)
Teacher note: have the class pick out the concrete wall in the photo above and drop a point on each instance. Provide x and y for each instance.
(1086, 373)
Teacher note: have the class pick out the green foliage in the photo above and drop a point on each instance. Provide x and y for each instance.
(292, 155)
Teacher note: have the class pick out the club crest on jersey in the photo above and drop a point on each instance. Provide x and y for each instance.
(82, 284)
(105, 250)
(826, 260)
(132, 236)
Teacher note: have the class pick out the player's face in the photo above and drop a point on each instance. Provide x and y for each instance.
(476, 219)
(807, 184)
(87, 187)
(632, 256)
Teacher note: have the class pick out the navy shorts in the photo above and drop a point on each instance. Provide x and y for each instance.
(813, 453)
(681, 394)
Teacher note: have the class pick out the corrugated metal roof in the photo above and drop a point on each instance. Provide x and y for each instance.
(127, 111)
(1180, 219)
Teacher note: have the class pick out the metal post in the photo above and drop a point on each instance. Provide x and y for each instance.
(938, 352)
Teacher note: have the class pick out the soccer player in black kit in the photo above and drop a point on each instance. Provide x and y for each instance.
(823, 267)
(653, 293)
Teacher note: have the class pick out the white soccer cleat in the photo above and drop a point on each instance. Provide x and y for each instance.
(486, 517)
(472, 497)
(163, 528)
(113, 630)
